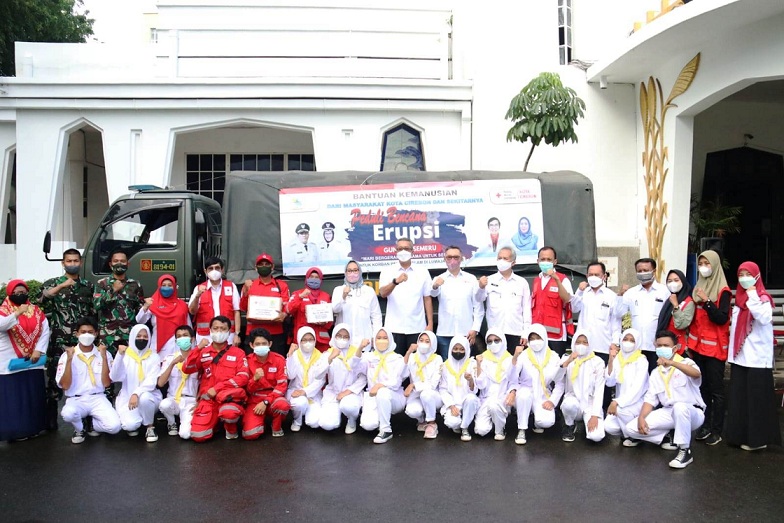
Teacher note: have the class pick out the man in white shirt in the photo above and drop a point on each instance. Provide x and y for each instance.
(407, 290)
(644, 302)
(460, 311)
(508, 299)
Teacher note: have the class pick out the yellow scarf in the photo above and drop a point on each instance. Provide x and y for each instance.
(577, 364)
(667, 376)
(352, 351)
(540, 367)
(314, 357)
(138, 358)
(458, 374)
(636, 355)
(88, 361)
(184, 377)
(382, 363)
(421, 366)
(492, 357)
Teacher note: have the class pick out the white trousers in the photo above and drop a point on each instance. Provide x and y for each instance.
(331, 411)
(143, 414)
(170, 408)
(682, 417)
(310, 409)
(571, 409)
(466, 416)
(524, 403)
(105, 418)
(377, 411)
(615, 424)
(492, 413)
(423, 406)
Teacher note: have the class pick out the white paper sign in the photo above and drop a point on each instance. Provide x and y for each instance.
(319, 313)
(264, 308)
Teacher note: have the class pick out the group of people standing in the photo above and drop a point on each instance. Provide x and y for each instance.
(658, 381)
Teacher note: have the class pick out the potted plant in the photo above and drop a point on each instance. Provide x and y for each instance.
(711, 221)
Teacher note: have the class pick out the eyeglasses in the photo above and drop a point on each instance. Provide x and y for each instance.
(352, 270)
(341, 337)
(409, 249)
(453, 257)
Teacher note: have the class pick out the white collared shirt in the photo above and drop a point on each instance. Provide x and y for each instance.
(598, 316)
(459, 310)
(757, 349)
(644, 306)
(405, 304)
(216, 295)
(191, 387)
(682, 388)
(80, 377)
(508, 303)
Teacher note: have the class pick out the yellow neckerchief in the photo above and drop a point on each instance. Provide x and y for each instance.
(138, 358)
(667, 376)
(184, 377)
(88, 361)
(314, 357)
(634, 356)
(577, 364)
(382, 363)
(459, 373)
(420, 372)
(350, 353)
(492, 357)
(540, 367)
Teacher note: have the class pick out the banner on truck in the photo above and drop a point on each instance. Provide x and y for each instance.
(328, 226)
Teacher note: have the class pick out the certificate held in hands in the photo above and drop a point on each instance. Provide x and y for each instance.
(264, 308)
(319, 313)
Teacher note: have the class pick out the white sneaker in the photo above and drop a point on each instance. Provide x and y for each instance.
(277, 433)
(431, 431)
(629, 442)
(520, 439)
(151, 436)
(78, 437)
(296, 426)
(538, 430)
(229, 435)
(382, 437)
(133, 433)
(172, 429)
(421, 427)
(465, 436)
(351, 426)
(752, 449)
(500, 437)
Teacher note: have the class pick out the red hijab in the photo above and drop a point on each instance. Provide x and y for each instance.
(25, 334)
(743, 328)
(169, 312)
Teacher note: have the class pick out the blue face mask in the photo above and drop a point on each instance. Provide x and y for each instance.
(665, 352)
(313, 283)
(261, 350)
(166, 292)
(184, 343)
(545, 266)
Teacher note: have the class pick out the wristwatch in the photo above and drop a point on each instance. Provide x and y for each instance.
(266, 402)
(395, 282)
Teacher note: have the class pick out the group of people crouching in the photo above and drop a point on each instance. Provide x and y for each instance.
(215, 383)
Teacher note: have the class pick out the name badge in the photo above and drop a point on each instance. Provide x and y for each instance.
(554, 289)
(275, 289)
(228, 291)
(231, 358)
(273, 369)
(659, 300)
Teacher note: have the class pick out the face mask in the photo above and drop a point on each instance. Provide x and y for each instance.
(219, 336)
(545, 266)
(747, 282)
(167, 292)
(645, 277)
(453, 265)
(352, 277)
(86, 339)
(341, 343)
(503, 265)
(496, 347)
(18, 299)
(72, 269)
(313, 283)
(705, 271)
(580, 349)
(119, 268)
(214, 275)
(382, 345)
(184, 343)
(424, 348)
(264, 270)
(307, 346)
(261, 350)
(595, 281)
(141, 344)
(404, 256)
(675, 286)
(664, 352)
(458, 355)
(627, 346)
(536, 345)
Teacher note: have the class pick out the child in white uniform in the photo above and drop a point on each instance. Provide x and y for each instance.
(307, 371)
(422, 397)
(343, 393)
(458, 388)
(584, 389)
(627, 371)
(497, 392)
(385, 370)
(137, 368)
(183, 388)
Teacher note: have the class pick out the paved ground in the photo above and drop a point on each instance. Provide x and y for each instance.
(331, 477)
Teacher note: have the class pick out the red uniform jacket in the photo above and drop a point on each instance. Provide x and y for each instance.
(708, 338)
(274, 289)
(273, 384)
(296, 308)
(230, 372)
(547, 309)
(205, 312)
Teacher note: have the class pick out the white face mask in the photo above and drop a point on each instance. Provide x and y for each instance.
(307, 346)
(705, 271)
(423, 347)
(214, 275)
(674, 286)
(404, 256)
(219, 336)
(86, 339)
(503, 265)
(496, 347)
(580, 349)
(536, 345)
(627, 346)
(595, 281)
(341, 343)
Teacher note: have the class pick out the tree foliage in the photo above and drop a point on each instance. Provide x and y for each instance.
(39, 21)
(544, 110)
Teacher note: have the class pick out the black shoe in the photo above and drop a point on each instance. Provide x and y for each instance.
(682, 460)
(667, 443)
(713, 439)
(702, 433)
(568, 433)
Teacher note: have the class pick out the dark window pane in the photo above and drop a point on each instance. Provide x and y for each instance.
(219, 181)
(236, 162)
(192, 162)
(205, 162)
(264, 162)
(249, 162)
(308, 162)
(277, 162)
(402, 150)
(219, 162)
(205, 182)
(568, 55)
(294, 162)
(218, 197)
(561, 36)
(193, 181)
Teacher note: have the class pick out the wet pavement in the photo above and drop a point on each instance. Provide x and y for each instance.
(331, 477)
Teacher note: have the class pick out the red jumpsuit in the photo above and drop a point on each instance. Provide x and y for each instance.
(271, 386)
(228, 377)
(296, 307)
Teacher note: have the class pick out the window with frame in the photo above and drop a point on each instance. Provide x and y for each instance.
(565, 31)
(272, 162)
(206, 175)
(402, 149)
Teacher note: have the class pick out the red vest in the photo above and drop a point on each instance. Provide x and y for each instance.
(681, 333)
(707, 338)
(205, 312)
(548, 309)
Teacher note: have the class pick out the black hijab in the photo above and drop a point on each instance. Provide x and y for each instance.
(666, 310)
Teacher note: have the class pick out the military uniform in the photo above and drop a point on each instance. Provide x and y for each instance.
(62, 311)
(116, 311)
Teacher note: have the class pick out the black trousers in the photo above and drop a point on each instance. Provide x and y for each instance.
(512, 341)
(712, 390)
(404, 341)
(560, 347)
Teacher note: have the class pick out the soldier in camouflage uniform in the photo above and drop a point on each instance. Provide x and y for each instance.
(64, 299)
(117, 299)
